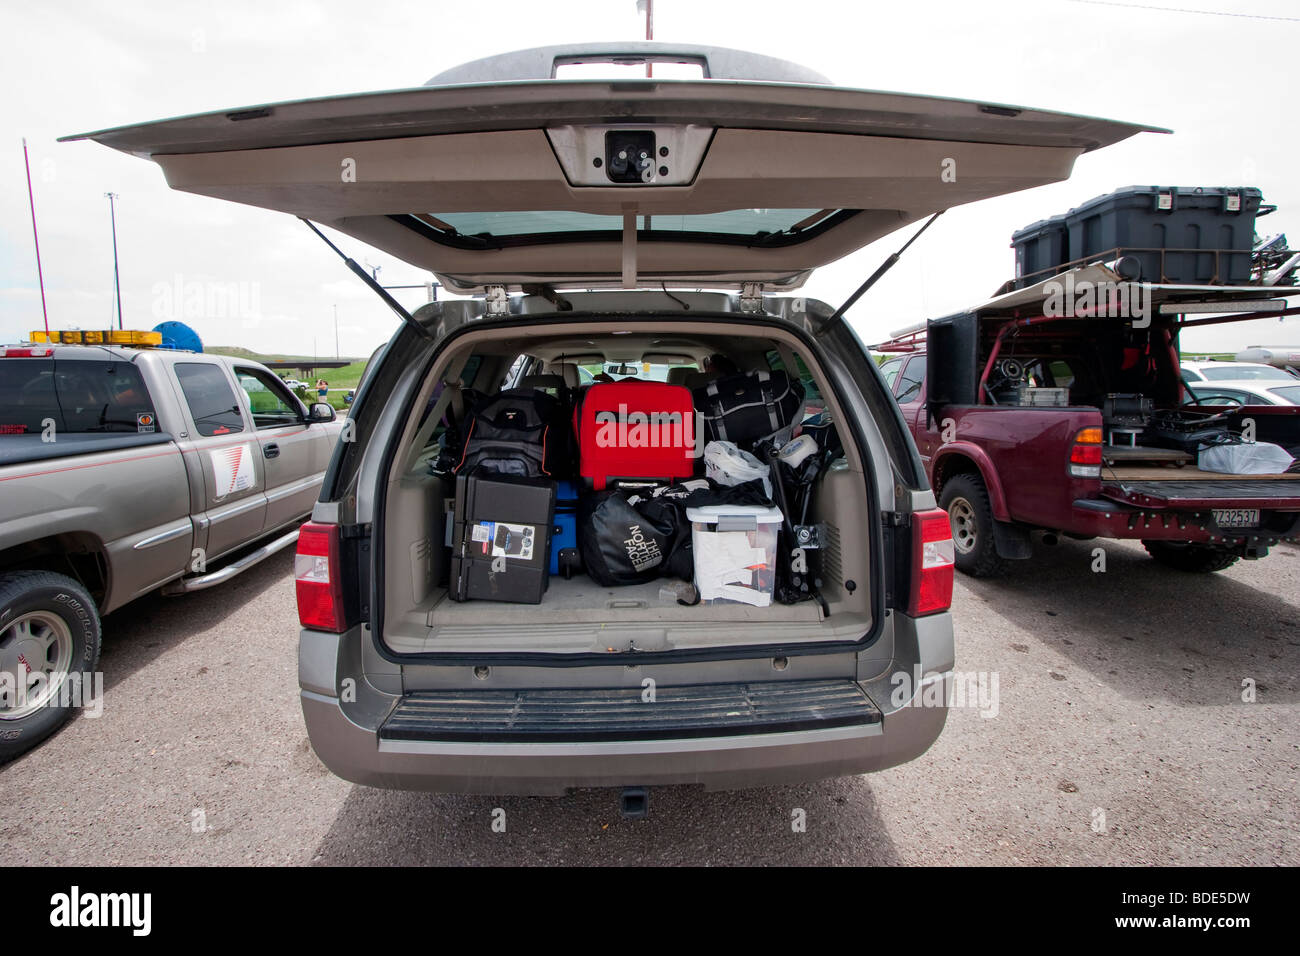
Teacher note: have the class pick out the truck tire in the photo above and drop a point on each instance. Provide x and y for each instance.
(1192, 558)
(48, 623)
(967, 502)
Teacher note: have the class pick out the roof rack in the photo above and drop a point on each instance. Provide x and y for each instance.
(909, 340)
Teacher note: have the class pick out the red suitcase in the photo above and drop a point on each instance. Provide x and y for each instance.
(636, 430)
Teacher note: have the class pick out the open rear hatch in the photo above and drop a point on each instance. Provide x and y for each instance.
(499, 173)
(500, 176)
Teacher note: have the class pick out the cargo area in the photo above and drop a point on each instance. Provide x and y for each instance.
(445, 593)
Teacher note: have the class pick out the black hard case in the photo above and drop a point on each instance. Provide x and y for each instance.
(489, 566)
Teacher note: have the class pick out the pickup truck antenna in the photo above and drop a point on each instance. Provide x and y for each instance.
(369, 280)
(884, 267)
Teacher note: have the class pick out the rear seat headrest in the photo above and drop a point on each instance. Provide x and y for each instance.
(544, 382)
(567, 371)
(681, 374)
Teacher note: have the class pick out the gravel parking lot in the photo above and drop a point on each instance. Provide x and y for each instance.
(1120, 737)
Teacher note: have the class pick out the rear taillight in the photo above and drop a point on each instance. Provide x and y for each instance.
(26, 352)
(932, 557)
(317, 577)
(1085, 454)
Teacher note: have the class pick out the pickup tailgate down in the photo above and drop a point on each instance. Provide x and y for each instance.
(1228, 491)
(1188, 487)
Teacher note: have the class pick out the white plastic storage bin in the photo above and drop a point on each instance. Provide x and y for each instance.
(735, 553)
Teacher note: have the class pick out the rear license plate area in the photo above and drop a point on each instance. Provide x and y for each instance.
(1236, 517)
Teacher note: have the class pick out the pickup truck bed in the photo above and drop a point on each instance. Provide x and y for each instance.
(1032, 421)
(21, 449)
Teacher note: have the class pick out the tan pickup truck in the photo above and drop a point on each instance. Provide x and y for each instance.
(123, 471)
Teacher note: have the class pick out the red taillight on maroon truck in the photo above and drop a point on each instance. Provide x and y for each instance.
(318, 578)
(1085, 454)
(932, 563)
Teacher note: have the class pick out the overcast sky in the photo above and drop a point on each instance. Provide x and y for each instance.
(1224, 84)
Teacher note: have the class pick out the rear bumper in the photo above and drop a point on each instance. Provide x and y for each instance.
(365, 738)
(717, 763)
(1104, 518)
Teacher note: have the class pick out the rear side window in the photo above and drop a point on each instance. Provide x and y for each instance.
(210, 398)
(1210, 395)
(73, 396)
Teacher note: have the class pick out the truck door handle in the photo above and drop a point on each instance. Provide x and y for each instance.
(271, 451)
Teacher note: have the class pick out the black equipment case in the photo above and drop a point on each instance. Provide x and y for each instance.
(742, 408)
(501, 536)
(1197, 235)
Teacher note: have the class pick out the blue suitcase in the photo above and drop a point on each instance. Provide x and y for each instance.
(564, 532)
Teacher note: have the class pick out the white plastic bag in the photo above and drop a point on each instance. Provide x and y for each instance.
(1250, 458)
(728, 465)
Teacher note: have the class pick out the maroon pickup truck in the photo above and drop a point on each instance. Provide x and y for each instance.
(1031, 418)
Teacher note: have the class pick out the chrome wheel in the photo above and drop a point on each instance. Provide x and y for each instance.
(38, 643)
(962, 518)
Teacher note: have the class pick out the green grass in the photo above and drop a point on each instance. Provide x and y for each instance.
(341, 380)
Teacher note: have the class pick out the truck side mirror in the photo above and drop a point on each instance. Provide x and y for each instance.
(320, 412)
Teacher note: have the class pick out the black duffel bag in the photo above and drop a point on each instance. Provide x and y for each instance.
(622, 544)
(751, 405)
(634, 537)
(520, 431)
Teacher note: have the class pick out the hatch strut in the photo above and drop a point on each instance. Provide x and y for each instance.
(369, 280)
(884, 267)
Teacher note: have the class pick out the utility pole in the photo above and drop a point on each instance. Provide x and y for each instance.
(31, 199)
(117, 282)
(336, 331)
(648, 8)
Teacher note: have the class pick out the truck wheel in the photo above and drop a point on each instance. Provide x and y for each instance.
(48, 627)
(1193, 558)
(967, 503)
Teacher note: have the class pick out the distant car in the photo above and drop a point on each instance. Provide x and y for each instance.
(1238, 392)
(294, 383)
(1234, 371)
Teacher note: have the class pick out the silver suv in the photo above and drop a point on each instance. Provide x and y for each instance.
(596, 223)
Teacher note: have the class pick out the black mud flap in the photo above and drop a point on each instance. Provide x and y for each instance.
(1012, 541)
